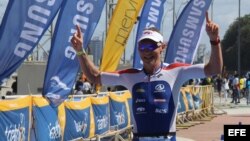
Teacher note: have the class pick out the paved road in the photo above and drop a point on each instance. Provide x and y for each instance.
(213, 129)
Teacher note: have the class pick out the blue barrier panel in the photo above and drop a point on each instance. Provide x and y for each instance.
(197, 101)
(181, 104)
(118, 111)
(78, 119)
(101, 114)
(190, 101)
(15, 119)
(129, 101)
(47, 126)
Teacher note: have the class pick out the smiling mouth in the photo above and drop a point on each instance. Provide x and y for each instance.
(148, 58)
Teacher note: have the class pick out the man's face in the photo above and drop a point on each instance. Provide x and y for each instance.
(149, 51)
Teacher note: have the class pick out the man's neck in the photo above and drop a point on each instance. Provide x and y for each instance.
(151, 69)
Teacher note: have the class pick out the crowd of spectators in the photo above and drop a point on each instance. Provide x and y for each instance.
(232, 86)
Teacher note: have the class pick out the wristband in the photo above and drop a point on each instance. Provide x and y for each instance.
(216, 42)
(80, 53)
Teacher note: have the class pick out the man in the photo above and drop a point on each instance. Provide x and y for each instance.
(86, 87)
(155, 88)
(78, 85)
(219, 85)
(236, 89)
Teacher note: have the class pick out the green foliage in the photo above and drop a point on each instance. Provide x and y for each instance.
(230, 44)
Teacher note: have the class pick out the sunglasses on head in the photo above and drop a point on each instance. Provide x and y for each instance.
(148, 46)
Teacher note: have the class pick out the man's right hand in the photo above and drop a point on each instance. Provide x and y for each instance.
(212, 29)
(77, 40)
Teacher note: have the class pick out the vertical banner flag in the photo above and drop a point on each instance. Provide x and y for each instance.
(23, 25)
(122, 22)
(15, 119)
(63, 63)
(151, 16)
(185, 36)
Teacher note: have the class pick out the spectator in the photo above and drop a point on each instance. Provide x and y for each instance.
(14, 86)
(225, 87)
(79, 85)
(236, 90)
(219, 85)
(86, 87)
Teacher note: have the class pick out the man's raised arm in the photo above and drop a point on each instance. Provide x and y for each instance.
(215, 63)
(87, 66)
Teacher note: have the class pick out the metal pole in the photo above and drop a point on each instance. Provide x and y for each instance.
(107, 5)
(212, 10)
(239, 65)
(37, 53)
(173, 13)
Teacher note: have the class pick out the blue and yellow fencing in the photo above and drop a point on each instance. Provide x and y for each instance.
(32, 118)
(195, 103)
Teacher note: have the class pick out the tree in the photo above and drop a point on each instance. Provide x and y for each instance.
(230, 45)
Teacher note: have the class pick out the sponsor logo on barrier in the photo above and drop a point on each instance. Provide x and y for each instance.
(120, 116)
(102, 122)
(81, 126)
(54, 131)
(16, 132)
(236, 132)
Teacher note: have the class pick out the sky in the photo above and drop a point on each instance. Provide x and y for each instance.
(224, 13)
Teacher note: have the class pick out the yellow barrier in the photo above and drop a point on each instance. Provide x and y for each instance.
(198, 103)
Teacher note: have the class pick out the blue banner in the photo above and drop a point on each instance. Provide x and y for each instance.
(47, 126)
(181, 103)
(151, 16)
(15, 125)
(77, 123)
(185, 36)
(15, 119)
(190, 101)
(101, 114)
(22, 27)
(63, 63)
(118, 111)
(78, 119)
(197, 100)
